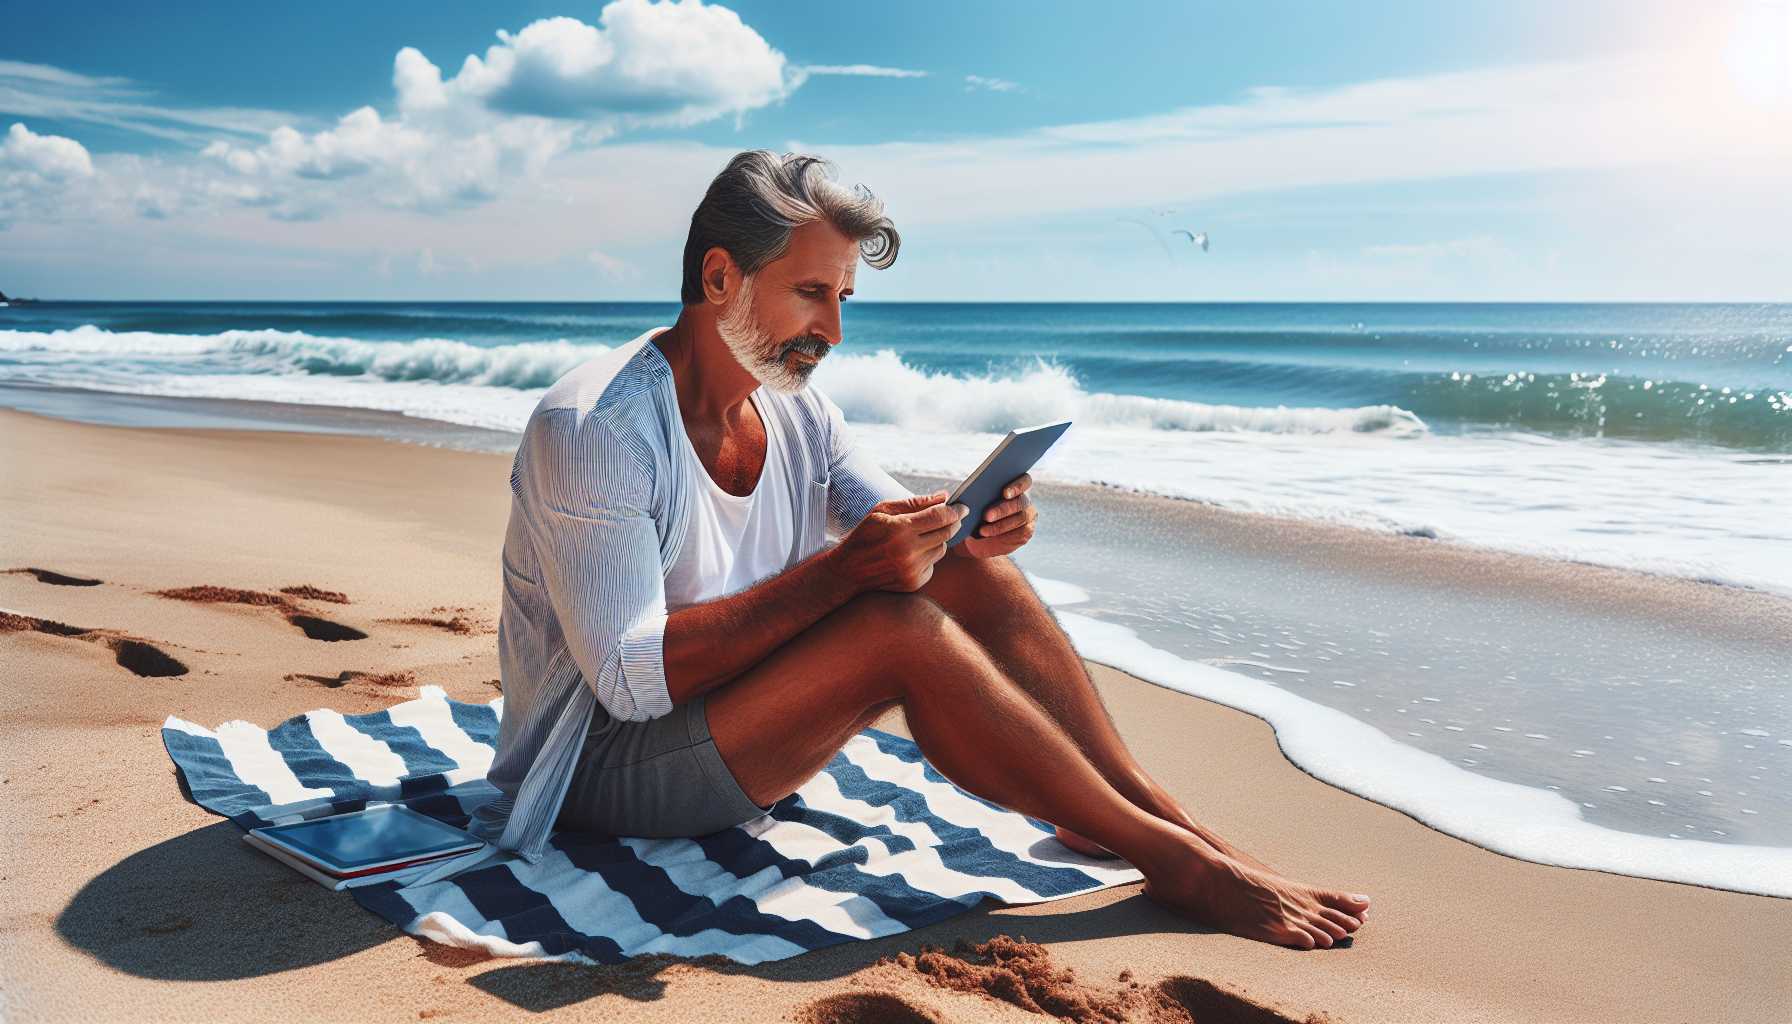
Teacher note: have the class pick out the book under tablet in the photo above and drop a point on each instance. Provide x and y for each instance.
(381, 837)
(1015, 455)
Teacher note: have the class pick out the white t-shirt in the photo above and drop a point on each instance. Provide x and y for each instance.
(734, 540)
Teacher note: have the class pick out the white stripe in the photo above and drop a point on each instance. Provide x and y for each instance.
(434, 721)
(369, 759)
(592, 907)
(921, 867)
(797, 841)
(791, 899)
(1006, 830)
(256, 762)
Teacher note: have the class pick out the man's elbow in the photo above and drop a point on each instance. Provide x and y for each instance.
(632, 701)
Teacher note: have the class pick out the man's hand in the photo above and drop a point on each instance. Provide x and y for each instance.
(895, 546)
(1006, 525)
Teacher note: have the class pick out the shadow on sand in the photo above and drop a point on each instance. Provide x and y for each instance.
(205, 907)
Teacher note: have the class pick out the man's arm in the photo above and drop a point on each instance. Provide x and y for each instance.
(893, 548)
(584, 503)
(710, 643)
(856, 483)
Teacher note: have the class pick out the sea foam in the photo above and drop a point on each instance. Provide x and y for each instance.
(1519, 821)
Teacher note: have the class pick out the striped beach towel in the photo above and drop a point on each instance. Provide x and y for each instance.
(876, 844)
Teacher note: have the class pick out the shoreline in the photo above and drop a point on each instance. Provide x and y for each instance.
(1456, 932)
(75, 405)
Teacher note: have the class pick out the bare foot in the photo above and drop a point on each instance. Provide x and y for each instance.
(1258, 905)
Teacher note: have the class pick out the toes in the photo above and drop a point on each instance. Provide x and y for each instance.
(1301, 938)
(1340, 918)
(1346, 902)
(1321, 937)
(1331, 928)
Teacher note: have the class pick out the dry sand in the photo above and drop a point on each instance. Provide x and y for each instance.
(123, 901)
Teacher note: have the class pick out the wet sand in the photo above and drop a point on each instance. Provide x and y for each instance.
(127, 902)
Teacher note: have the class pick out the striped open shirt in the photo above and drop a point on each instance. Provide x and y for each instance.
(600, 501)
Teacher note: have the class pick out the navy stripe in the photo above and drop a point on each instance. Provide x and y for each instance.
(661, 903)
(419, 757)
(962, 848)
(527, 915)
(214, 785)
(478, 721)
(298, 746)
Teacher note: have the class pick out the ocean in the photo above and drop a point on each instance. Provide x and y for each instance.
(1652, 437)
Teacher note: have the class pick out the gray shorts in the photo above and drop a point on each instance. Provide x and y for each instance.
(662, 777)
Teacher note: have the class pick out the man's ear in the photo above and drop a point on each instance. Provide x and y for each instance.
(717, 265)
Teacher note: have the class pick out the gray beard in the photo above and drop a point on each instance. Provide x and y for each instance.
(757, 351)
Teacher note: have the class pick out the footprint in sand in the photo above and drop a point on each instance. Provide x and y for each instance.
(459, 624)
(313, 626)
(145, 659)
(865, 1008)
(139, 656)
(56, 578)
(324, 629)
(1193, 1000)
(316, 593)
(1023, 974)
(400, 680)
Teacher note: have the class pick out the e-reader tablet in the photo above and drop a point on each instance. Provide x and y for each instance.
(1015, 455)
(378, 836)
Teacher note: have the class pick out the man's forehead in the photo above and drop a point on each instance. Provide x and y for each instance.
(827, 272)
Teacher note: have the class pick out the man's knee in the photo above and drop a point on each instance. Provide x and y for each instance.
(909, 638)
(888, 617)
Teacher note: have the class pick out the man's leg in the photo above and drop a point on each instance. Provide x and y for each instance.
(779, 723)
(994, 603)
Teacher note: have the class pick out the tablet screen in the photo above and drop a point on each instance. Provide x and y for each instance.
(378, 835)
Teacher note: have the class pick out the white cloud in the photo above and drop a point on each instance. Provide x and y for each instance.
(555, 84)
(42, 158)
(36, 169)
(45, 92)
(992, 84)
(414, 163)
(866, 70)
(666, 64)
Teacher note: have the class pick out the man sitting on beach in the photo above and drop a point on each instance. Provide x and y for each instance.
(682, 646)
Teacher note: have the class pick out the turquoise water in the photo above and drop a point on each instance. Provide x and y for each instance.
(1718, 374)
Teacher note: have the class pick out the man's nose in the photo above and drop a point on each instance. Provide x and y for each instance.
(828, 329)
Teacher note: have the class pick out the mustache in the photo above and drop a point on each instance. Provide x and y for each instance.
(811, 346)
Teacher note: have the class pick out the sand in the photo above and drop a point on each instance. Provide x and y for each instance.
(124, 901)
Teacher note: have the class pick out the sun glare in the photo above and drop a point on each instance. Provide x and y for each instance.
(1760, 51)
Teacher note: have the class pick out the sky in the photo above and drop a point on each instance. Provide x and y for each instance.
(1500, 151)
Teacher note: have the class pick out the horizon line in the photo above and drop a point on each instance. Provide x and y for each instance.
(31, 300)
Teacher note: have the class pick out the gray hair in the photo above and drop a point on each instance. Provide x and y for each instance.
(759, 197)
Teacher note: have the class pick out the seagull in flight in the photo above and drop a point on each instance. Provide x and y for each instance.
(1197, 237)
